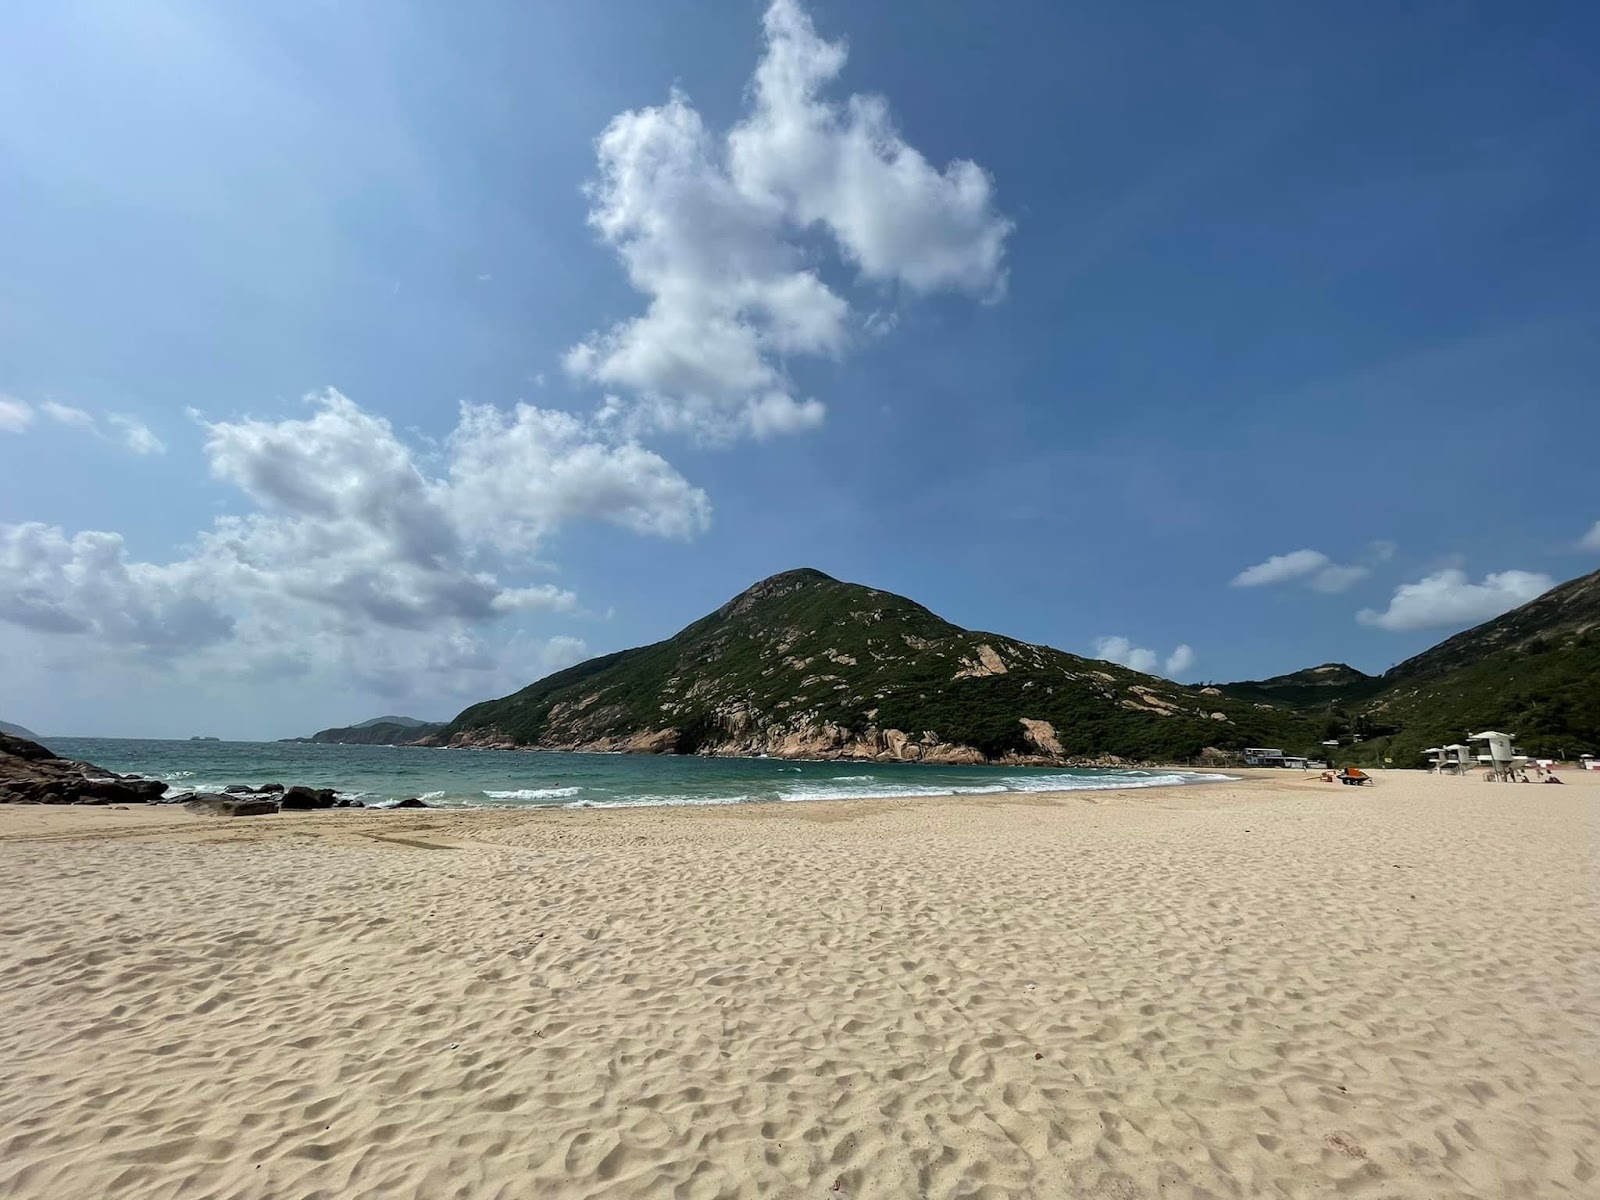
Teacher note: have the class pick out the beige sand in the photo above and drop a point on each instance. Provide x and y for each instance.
(1272, 988)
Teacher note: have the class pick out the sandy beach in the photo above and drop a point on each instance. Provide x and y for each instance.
(1275, 987)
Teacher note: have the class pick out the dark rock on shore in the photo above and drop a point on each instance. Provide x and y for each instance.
(303, 798)
(411, 802)
(212, 804)
(32, 774)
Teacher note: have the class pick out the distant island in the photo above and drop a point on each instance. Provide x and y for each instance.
(18, 731)
(802, 665)
(205, 738)
(378, 731)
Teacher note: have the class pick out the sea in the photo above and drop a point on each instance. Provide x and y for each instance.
(379, 775)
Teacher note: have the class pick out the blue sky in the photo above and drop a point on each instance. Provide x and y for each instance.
(1260, 330)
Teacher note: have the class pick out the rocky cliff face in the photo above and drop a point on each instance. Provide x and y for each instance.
(805, 666)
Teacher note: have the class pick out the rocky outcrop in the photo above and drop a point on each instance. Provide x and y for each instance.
(211, 804)
(1043, 736)
(985, 662)
(33, 774)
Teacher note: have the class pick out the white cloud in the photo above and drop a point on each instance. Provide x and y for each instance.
(1447, 598)
(85, 584)
(15, 415)
(67, 415)
(136, 436)
(712, 228)
(1281, 568)
(1122, 650)
(515, 475)
(1382, 550)
(1333, 579)
(351, 539)
(1312, 568)
(1589, 541)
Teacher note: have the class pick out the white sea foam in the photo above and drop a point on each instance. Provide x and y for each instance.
(557, 793)
(649, 801)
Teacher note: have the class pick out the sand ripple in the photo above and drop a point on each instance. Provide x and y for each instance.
(1259, 993)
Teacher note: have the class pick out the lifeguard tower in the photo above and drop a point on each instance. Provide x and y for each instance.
(1503, 762)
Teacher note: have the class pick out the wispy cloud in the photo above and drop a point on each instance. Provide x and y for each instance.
(1590, 540)
(15, 415)
(134, 434)
(65, 414)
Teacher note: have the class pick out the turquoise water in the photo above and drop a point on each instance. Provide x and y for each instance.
(521, 778)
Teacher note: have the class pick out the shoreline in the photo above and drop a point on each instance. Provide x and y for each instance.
(371, 776)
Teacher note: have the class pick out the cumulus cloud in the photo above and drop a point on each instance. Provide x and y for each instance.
(712, 229)
(1448, 598)
(86, 584)
(1179, 661)
(1589, 541)
(1138, 658)
(351, 537)
(1121, 650)
(513, 476)
(1312, 568)
(15, 415)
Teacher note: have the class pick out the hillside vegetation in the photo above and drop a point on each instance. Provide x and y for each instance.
(380, 731)
(1533, 672)
(804, 665)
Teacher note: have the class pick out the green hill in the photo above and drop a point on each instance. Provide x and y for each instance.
(1533, 672)
(403, 722)
(380, 731)
(804, 666)
(1314, 687)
